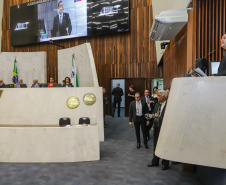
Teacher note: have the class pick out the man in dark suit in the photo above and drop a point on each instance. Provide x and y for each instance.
(118, 93)
(35, 84)
(2, 85)
(62, 23)
(158, 114)
(222, 66)
(149, 100)
(137, 111)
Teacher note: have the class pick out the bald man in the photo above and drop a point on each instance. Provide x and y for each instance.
(117, 93)
(2, 85)
(36, 84)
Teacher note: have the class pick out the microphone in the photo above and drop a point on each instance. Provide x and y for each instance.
(199, 60)
(51, 42)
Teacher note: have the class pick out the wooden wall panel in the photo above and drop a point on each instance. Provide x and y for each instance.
(175, 58)
(210, 21)
(209, 17)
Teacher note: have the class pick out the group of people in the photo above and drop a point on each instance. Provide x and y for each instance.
(65, 83)
(147, 112)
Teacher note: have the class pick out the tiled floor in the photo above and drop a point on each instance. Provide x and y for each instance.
(121, 163)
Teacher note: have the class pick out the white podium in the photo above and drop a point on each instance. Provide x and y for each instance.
(29, 125)
(194, 125)
(49, 144)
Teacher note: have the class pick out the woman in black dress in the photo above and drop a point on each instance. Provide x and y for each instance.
(131, 94)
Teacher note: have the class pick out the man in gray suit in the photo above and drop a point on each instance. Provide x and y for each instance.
(158, 114)
(137, 111)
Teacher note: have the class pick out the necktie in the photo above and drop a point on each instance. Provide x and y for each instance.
(159, 109)
(158, 112)
(61, 14)
(148, 100)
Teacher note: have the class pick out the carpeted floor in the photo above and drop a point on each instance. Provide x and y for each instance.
(120, 164)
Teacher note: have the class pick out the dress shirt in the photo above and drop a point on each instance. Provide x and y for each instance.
(138, 108)
(148, 102)
(36, 85)
(154, 95)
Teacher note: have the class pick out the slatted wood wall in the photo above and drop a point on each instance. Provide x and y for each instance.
(121, 55)
(209, 24)
(175, 58)
(180, 54)
(211, 17)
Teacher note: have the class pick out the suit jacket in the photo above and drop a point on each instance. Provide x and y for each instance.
(33, 85)
(69, 85)
(117, 92)
(159, 123)
(17, 84)
(143, 99)
(132, 110)
(2, 85)
(61, 30)
(222, 67)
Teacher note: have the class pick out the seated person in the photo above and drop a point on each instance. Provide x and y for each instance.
(19, 83)
(51, 84)
(68, 82)
(2, 85)
(36, 84)
(63, 83)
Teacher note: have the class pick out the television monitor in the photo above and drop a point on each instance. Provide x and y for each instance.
(214, 65)
(47, 20)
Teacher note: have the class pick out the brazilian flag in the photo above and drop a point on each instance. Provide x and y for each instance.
(15, 74)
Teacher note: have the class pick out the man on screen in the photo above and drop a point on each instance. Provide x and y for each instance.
(62, 23)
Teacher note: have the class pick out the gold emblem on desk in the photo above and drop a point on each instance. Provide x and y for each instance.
(89, 99)
(1, 91)
(73, 102)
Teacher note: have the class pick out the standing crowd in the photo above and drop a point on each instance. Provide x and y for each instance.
(146, 113)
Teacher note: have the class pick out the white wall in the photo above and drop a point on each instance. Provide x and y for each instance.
(30, 65)
(86, 69)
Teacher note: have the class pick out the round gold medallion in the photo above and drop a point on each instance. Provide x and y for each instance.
(72, 102)
(89, 99)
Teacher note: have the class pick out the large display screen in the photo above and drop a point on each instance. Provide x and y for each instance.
(45, 20)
